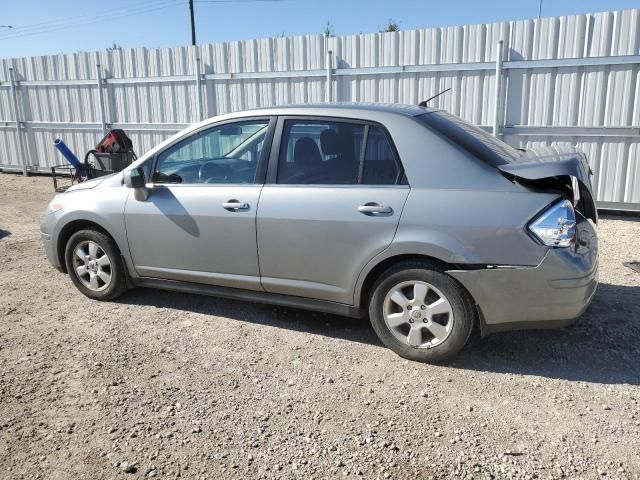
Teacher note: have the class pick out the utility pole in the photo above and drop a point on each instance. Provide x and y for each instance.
(193, 23)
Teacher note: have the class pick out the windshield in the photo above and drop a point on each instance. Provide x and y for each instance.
(471, 138)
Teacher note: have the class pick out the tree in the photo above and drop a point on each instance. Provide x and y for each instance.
(328, 29)
(392, 26)
(113, 47)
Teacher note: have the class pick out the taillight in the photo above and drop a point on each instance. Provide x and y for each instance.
(556, 226)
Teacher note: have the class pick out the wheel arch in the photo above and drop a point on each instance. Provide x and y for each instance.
(75, 226)
(364, 292)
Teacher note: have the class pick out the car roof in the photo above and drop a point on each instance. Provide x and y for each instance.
(344, 108)
(366, 111)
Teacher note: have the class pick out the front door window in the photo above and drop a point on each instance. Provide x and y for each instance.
(225, 154)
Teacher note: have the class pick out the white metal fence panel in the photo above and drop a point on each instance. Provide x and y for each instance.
(565, 80)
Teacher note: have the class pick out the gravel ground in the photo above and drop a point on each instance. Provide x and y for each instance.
(173, 385)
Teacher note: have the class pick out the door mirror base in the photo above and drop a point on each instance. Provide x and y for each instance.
(141, 194)
(134, 178)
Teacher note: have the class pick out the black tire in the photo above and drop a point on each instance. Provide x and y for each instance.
(461, 306)
(118, 282)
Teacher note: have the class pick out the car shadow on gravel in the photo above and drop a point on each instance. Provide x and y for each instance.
(334, 326)
(602, 347)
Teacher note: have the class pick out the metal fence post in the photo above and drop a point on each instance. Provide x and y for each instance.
(198, 84)
(103, 115)
(329, 93)
(498, 89)
(16, 116)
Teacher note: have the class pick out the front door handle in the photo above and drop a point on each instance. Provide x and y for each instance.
(235, 206)
(372, 208)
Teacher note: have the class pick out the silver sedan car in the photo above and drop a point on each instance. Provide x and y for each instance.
(409, 215)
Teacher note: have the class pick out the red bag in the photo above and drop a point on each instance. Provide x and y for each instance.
(116, 141)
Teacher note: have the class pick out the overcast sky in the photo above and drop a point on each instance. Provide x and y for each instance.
(42, 27)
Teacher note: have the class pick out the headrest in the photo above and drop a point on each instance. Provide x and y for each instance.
(306, 152)
(329, 142)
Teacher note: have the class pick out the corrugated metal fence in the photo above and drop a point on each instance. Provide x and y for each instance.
(562, 80)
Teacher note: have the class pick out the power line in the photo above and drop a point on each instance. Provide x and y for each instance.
(150, 6)
(69, 20)
(85, 20)
(57, 25)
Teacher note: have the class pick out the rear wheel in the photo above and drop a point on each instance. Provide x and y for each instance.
(420, 312)
(94, 265)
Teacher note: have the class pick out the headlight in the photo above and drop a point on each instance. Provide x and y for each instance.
(556, 226)
(54, 207)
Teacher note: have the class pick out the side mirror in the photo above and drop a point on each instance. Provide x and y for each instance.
(134, 178)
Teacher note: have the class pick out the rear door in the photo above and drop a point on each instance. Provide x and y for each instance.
(332, 201)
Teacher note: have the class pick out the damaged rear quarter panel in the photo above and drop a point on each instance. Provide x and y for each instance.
(471, 227)
(552, 168)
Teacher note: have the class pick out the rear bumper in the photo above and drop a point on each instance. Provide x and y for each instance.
(553, 294)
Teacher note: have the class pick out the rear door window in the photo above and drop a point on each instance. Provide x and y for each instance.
(315, 152)
(380, 166)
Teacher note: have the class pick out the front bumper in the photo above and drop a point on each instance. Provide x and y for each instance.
(46, 226)
(553, 294)
(50, 251)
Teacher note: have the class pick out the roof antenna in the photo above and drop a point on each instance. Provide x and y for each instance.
(424, 102)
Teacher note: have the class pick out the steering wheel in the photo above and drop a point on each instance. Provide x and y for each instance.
(210, 172)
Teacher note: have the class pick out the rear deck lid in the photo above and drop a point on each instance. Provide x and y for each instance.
(561, 168)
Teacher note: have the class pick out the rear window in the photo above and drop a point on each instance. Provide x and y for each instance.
(473, 139)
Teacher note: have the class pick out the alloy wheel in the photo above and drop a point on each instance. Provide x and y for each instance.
(92, 265)
(418, 314)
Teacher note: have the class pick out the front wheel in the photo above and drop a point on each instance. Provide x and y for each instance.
(94, 265)
(420, 312)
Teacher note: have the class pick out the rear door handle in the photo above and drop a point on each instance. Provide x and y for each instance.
(235, 206)
(374, 209)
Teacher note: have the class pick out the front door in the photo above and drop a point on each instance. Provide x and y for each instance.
(198, 223)
(333, 204)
